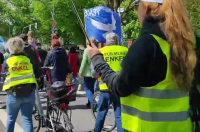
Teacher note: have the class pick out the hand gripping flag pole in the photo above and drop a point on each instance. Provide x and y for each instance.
(81, 23)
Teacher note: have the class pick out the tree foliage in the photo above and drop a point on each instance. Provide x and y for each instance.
(68, 24)
(129, 20)
(194, 13)
(17, 14)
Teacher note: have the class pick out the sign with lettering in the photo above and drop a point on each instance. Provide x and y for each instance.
(114, 56)
(100, 21)
(22, 66)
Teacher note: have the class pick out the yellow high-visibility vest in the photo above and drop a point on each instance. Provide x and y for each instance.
(20, 72)
(160, 108)
(113, 55)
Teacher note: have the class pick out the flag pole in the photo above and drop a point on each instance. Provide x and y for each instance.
(81, 23)
(85, 25)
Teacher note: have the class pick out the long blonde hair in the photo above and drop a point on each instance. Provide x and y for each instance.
(178, 31)
(30, 36)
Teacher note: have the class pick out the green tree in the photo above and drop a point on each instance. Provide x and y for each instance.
(194, 13)
(68, 25)
(129, 20)
(18, 14)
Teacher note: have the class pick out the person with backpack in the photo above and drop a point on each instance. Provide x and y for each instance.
(157, 72)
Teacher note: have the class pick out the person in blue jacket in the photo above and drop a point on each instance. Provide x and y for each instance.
(57, 57)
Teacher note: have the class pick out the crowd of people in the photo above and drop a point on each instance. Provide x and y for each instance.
(21, 66)
(148, 84)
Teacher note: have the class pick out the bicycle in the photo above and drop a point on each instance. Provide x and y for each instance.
(94, 111)
(57, 109)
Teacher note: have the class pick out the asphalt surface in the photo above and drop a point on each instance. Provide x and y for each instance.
(82, 118)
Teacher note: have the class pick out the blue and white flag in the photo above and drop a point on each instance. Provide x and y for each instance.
(100, 21)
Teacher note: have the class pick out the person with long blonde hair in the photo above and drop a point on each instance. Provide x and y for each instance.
(157, 72)
(31, 39)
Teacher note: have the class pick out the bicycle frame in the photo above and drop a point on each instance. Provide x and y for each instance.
(38, 102)
(63, 107)
(40, 110)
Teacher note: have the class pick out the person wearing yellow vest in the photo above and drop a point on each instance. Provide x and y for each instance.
(113, 55)
(157, 71)
(20, 84)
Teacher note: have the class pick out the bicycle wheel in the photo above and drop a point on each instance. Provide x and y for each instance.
(37, 120)
(60, 119)
(107, 128)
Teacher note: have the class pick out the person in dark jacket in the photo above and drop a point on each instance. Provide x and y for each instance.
(57, 57)
(159, 65)
(1, 60)
(31, 53)
(42, 53)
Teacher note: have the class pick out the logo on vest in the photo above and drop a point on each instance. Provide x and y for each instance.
(22, 66)
(114, 56)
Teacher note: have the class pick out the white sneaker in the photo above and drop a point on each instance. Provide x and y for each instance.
(79, 87)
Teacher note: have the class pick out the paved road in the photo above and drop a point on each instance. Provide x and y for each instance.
(81, 116)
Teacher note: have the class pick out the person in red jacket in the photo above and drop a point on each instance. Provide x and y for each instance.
(73, 61)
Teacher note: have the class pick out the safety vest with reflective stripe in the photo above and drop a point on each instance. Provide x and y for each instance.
(113, 55)
(160, 108)
(20, 71)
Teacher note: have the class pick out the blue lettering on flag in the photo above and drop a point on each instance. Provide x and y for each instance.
(100, 21)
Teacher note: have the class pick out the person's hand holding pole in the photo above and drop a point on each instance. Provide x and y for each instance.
(92, 50)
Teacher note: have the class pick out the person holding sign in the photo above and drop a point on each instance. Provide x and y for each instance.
(113, 55)
(157, 71)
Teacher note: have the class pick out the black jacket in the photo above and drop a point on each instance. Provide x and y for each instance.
(145, 64)
(42, 54)
(30, 52)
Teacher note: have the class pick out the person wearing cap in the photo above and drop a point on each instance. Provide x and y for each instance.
(57, 57)
(113, 55)
(20, 84)
(157, 71)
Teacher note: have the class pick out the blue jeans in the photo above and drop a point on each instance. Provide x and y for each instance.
(105, 98)
(77, 80)
(96, 86)
(89, 87)
(13, 105)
